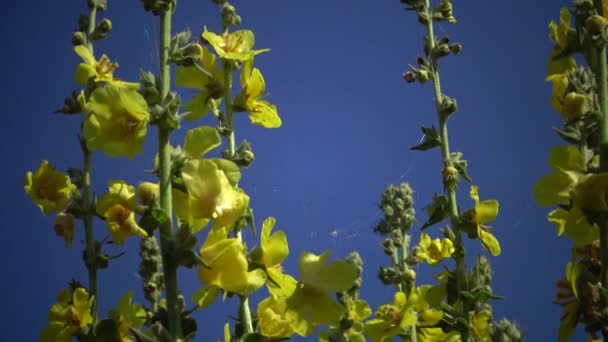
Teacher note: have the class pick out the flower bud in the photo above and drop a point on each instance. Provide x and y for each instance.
(64, 227)
(410, 274)
(102, 29)
(147, 193)
(575, 105)
(450, 176)
(78, 38)
(422, 76)
(596, 26)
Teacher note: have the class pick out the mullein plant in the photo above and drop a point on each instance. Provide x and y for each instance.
(458, 307)
(200, 190)
(577, 184)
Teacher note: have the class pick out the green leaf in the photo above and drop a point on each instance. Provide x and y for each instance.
(429, 140)
(437, 211)
(461, 165)
(205, 296)
(199, 141)
(232, 171)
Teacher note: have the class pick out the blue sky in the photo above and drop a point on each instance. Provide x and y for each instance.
(335, 74)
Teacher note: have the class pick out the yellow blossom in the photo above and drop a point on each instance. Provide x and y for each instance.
(237, 45)
(49, 190)
(228, 267)
(68, 316)
(261, 112)
(128, 316)
(116, 121)
(433, 251)
(483, 212)
(99, 71)
(117, 207)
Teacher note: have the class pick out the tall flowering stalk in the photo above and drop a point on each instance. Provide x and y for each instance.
(458, 308)
(579, 180)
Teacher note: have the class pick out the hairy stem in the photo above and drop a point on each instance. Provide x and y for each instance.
(86, 195)
(166, 228)
(601, 73)
(244, 310)
(405, 245)
(447, 162)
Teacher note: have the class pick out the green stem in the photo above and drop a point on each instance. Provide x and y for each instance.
(244, 310)
(447, 162)
(86, 196)
(166, 228)
(601, 73)
(405, 245)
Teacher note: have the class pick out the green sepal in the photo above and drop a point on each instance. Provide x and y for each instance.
(253, 337)
(152, 219)
(447, 106)
(179, 40)
(184, 245)
(429, 140)
(461, 165)
(150, 88)
(437, 211)
(141, 337)
(480, 295)
(106, 330)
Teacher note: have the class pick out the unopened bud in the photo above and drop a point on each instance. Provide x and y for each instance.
(422, 76)
(78, 38)
(450, 176)
(410, 274)
(64, 227)
(147, 193)
(102, 29)
(596, 26)
(575, 105)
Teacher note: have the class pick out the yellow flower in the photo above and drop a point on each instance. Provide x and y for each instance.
(209, 81)
(261, 112)
(64, 227)
(559, 61)
(481, 325)
(116, 123)
(128, 316)
(100, 71)
(49, 190)
(311, 302)
(274, 249)
(273, 319)
(485, 211)
(391, 319)
(357, 311)
(210, 195)
(117, 207)
(228, 266)
(572, 105)
(68, 316)
(147, 193)
(434, 251)
(237, 45)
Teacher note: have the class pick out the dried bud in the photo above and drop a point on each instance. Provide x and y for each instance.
(147, 193)
(409, 77)
(456, 48)
(64, 227)
(423, 62)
